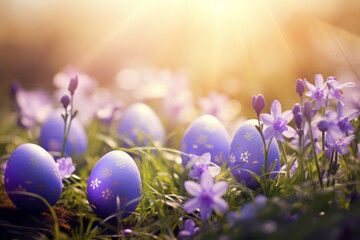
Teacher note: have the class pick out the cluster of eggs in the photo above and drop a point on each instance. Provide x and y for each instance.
(114, 184)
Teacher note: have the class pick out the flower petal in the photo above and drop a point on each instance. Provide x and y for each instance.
(192, 188)
(269, 132)
(290, 132)
(206, 180)
(319, 80)
(214, 170)
(275, 109)
(267, 119)
(191, 205)
(206, 157)
(205, 212)
(220, 188)
(220, 204)
(287, 115)
(311, 87)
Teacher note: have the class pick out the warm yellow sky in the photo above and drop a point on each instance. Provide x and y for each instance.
(239, 47)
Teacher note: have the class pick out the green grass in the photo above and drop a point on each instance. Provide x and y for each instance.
(297, 208)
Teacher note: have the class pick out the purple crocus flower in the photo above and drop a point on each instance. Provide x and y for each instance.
(32, 106)
(336, 89)
(340, 119)
(300, 87)
(248, 211)
(319, 92)
(73, 85)
(189, 229)
(338, 140)
(65, 101)
(207, 196)
(66, 166)
(258, 103)
(276, 123)
(309, 111)
(202, 164)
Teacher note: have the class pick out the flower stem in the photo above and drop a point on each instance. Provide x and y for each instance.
(335, 167)
(65, 137)
(330, 167)
(315, 156)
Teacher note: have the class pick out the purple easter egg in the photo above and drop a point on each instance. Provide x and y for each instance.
(52, 135)
(140, 118)
(206, 134)
(32, 169)
(247, 153)
(114, 176)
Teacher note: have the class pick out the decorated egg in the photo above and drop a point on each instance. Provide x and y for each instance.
(139, 118)
(247, 154)
(206, 134)
(115, 176)
(31, 169)
(52, 135)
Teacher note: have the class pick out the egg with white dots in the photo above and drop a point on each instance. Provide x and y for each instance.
(246, 154)
(52, 135)
(138, 121)
(31, 169)
(205, 134)
(114, 185)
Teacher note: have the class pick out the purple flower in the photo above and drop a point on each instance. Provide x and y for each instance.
(276, 123)
(84, 99)
(248, 211)
(309, 111)
(32, 106)
(189, 229)
(207, 196)
(73, 85)
(298, 119)
(306, 135)
(296, 109)
(66, 167)
(338, 140)
(65, 101)
(258, 103)
(319, 92)
(203, 164)
(339, 119)
(336, 89)
(300, 87)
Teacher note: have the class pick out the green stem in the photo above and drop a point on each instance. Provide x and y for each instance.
(315, 156)
(64, 139)
(335, 167)
(283, 151)
(330, 167)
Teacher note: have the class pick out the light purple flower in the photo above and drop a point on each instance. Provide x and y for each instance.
(309, 111)
(202, 164)
(207, 196)
(73, 85)
(300, 87)
(248, 211)
(336, 89)
(258, 103)
(83, 99)
(340, 119)
(319, 92)
(66, 167)
(65, 101)
(276, 123)
(32, 106)
(189, 229)
(338, 140)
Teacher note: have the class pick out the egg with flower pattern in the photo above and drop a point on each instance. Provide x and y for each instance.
(246, 154)
(32, 170)
(138, 119)
(114, 185)
(206, 134)
(52, 135)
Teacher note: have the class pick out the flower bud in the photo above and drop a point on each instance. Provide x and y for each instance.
(73, 85)
(258, 103)
(300, 87)
(298, 119)
(65, 100)
(323, 125)
(296, 109)
(309, 111)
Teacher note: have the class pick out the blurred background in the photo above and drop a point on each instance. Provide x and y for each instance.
(234, 47)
